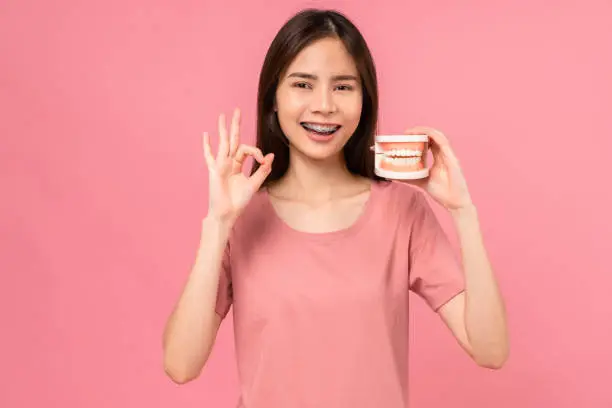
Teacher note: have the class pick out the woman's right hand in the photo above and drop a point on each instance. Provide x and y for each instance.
(230, 189)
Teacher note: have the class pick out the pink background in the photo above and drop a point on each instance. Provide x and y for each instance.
(103, 185)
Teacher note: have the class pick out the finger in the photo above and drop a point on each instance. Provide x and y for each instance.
(223, 138)
(243, 152)
(210, 160)
(257, 179)
(235, 133)
(431, 132)
(439, 139)
(438, 142)
(442, 149)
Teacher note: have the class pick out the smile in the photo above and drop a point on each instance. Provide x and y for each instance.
(321, 129)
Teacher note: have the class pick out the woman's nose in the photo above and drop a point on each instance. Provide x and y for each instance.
(323, 101)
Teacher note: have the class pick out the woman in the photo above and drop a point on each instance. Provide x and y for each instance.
(315, 253)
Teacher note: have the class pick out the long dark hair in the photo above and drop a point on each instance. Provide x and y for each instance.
(300, 31)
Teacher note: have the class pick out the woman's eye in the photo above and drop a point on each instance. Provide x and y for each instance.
(344, 87)
(306, 85)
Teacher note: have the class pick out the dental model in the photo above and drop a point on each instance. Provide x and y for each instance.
(401, 157)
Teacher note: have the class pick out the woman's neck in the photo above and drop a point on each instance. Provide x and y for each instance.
(316, 181)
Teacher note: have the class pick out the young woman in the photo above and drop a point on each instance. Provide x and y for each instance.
(315, 253)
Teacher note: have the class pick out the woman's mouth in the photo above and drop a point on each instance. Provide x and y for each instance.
(319, 130)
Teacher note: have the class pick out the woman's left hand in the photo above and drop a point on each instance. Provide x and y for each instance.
(445, 183)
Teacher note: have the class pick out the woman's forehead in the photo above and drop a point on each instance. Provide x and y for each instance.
(323, 59)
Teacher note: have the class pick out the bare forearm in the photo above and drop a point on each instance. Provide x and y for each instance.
(192, 326)
(485, 316)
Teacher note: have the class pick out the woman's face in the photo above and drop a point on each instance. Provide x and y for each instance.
(319, 99)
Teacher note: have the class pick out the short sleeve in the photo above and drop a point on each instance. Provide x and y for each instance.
(436, 273)
(224, 291)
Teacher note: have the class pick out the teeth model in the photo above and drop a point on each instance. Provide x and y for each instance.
(401, 157)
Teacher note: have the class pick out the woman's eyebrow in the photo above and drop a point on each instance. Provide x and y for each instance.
(314, 77)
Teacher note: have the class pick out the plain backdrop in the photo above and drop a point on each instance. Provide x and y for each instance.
(103, 185)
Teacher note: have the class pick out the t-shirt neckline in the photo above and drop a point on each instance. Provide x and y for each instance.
(363, 217)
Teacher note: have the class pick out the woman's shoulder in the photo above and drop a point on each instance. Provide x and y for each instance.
(400, 202)
(396, 191)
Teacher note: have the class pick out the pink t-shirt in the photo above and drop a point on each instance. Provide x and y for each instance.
(321, 319)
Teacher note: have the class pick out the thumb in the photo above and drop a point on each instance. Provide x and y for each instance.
(257, 179)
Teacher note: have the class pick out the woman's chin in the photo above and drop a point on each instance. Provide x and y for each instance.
(318, 152)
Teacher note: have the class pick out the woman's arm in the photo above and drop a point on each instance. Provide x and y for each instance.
(192, 327)
(477, 316)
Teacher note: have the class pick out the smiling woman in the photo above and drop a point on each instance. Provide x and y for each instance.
(316, 253)
(318, 94)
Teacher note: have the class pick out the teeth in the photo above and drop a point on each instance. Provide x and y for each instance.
(403, 153)
(403, 161)
(320, 128)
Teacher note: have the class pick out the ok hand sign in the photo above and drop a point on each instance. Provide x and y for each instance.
(229, 189)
